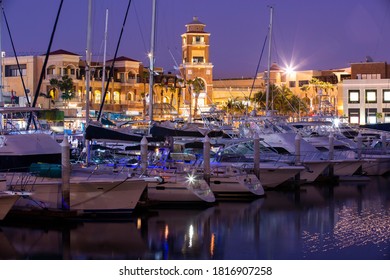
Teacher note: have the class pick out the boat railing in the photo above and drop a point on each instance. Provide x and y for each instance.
(21, 181)
(310, 156)
(345, 154)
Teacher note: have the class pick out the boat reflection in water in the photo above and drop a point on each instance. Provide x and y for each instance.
(347, 221)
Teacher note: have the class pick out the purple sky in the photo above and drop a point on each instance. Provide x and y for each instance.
(307, 34)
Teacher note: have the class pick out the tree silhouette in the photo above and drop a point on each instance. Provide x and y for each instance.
(65, 86)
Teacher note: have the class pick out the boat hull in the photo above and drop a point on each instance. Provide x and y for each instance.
(96, 192)
(180, 188)
(7, 201)
(346, 167)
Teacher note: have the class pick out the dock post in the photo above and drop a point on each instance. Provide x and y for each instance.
(206, 159)
(383, 142)
(144, 155)
(65, 172)
(256, 156)
(298, 139)
(331, 154)
(359, 145)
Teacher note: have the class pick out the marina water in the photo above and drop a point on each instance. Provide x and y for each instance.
(350, 220)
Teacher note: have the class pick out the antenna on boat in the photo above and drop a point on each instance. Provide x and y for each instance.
(111, 73)
(269, 61)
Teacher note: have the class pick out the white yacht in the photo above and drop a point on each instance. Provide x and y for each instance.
(20, 148)
(185, 171)
(93, 188)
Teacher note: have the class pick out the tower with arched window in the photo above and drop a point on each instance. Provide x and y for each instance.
(196, 60)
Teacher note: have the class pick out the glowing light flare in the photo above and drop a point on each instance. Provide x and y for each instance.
(191, 179)
(190, 235)
(166, 232)
(289, 69)
(212, 244)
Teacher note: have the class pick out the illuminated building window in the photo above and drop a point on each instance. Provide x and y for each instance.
(98, 97)
(386, 113)
(386, 96)
(370, 96)
(116, 97)
(354, 116)
(353, 96)
(371, 115)
(303, 82)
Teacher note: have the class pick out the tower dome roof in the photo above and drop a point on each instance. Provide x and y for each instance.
(195, 26)
(275, 67)
(196, 21)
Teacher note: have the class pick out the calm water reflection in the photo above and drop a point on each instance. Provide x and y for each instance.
(348, 221)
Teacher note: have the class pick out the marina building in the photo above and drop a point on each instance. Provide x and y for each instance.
(360, 92)
(366, 96)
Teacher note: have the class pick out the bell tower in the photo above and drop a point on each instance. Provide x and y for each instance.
(196, 58)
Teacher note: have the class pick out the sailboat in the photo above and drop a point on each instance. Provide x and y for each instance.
(21, 147)
(86, 188)
(8, 198)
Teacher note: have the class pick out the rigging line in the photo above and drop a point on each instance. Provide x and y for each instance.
(110, 75)
(139, 27)
(275, 48)
(177, 65)
(226, 86)
(45, 63)
(16, 57)
(258, 65)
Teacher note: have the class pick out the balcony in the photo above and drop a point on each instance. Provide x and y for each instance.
(198, 43)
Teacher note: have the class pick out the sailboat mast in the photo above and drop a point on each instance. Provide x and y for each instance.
(88, 61)
(151, 60)
(88, 76)
(104, 52)
(1, 57)
(269, 62)
(1, 67)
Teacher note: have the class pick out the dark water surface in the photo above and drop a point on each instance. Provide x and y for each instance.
(348, 221)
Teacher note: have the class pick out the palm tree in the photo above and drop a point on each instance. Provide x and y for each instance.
(65, 85)
(282, 99)
(305, 89)
(197, 86)
(181, 84)
(234, 106)
(172, 89)
(259, 99)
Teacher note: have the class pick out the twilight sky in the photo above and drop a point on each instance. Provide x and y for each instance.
(307, 34)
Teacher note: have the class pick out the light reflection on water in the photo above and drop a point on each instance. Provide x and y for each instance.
(348, 221)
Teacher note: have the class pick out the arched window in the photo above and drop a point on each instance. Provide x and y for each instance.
(116, 97)
(51, 70)
(97, 97)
